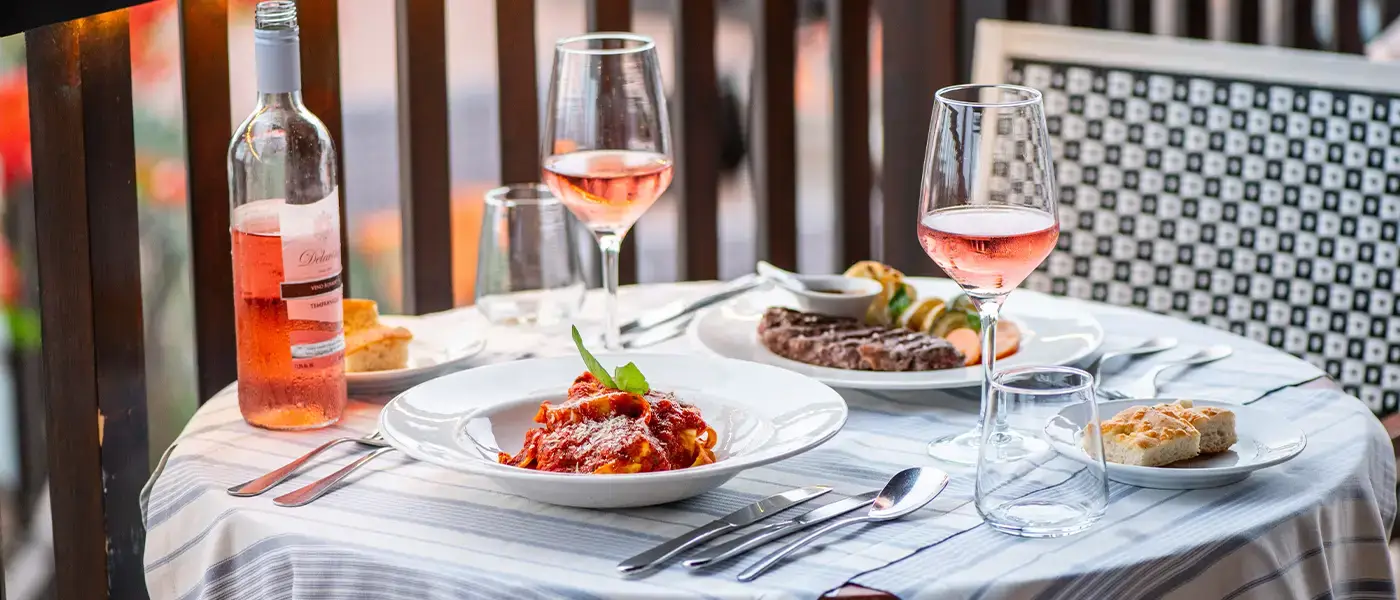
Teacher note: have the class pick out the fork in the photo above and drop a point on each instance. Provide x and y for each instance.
(318, 488)
(270, 480)
(1146, 387)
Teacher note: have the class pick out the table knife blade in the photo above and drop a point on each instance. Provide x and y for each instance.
(670, 313)
(748, 542)
(739, 518)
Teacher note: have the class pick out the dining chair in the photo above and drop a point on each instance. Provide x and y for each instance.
(1253, 189)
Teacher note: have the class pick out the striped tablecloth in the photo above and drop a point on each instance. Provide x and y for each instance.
(1313, 527)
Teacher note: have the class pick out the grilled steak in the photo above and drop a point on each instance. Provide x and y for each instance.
(845, 343)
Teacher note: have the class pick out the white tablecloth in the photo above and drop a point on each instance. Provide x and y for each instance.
(1314, 526)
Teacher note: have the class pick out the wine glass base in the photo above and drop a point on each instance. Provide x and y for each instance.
(962, 449)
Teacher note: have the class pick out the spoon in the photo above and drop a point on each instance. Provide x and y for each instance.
(908, 491)
(1150, 346)
(784, 277)
(1146, 387)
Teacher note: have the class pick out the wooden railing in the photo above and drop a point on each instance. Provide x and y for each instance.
(85, 202)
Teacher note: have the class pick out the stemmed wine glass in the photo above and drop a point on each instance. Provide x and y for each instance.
(987, 216)
(606, 148)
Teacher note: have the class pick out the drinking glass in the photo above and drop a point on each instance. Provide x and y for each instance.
(987, 212)
(606, 148)
(527, 269)
(1026, 486)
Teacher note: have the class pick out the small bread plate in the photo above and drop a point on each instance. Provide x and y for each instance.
(433, 351)
(758, 413)
(1054, 331)
(1265, 440)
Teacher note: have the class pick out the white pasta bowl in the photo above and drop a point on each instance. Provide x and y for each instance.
(761, 414)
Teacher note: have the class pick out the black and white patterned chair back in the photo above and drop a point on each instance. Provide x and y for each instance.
(1260, 205)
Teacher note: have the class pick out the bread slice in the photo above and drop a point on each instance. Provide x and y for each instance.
(377, 349)
(1217, 425)
(1146, 437)
(360, 315)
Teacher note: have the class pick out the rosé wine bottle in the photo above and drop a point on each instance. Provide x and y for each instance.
(285, 225)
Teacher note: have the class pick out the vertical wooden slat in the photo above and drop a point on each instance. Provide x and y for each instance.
(696, 100)
(970, 12)
(519, 92)
(609, 15)
(1197, 19)
(1304, 25)
(1089, 13)
(1142, 15)
(850, 79)
(1346, 27)
(204, 62)
(774, 133)
(89, 271)
(1248, 16)
(423, 156)
(320, 81)
(918, 43)
(616, 15)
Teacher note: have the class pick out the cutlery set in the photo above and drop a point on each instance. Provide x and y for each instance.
(908, 491)
(1146, 386)
(318, 488)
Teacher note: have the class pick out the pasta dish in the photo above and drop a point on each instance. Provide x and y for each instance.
(599, 429)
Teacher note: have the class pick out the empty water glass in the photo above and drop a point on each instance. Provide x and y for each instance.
(527, 266)
(1035, 484)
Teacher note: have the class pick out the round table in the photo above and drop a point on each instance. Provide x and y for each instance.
(1317, 524)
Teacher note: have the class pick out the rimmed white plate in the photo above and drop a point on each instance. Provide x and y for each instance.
(1265, 440)
(431, 353)
(761, 413)
(1054, 331)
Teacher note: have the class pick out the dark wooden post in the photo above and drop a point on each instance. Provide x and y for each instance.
(89, 271)
(696, 101)
(204, 61)
(426, 186)
(851, 167)
(773, 131)
(520, 97)
(919, 47)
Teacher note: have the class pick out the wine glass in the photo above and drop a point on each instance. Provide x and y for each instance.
(987, 216)
(606, 149)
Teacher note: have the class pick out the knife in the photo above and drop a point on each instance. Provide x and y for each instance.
(753, 540)
(743, 285)
(739, 518)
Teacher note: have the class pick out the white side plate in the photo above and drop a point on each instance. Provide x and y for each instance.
(1265, 439)
(432, 352)
(1054, 331)
(761, 413)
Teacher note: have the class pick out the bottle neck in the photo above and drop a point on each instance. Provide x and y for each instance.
(280, 100)
(279, 65)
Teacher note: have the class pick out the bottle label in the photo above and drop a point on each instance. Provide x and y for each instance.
(311, 281)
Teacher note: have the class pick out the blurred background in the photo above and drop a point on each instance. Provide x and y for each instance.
(368, 59)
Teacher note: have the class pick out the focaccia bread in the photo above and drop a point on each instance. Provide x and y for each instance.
(1217, 425)
(1146, 437)
(379, 348)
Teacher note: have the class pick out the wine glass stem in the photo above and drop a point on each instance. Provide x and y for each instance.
(611, 245)
(989, 310)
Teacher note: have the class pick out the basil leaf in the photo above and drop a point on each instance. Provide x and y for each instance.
(593, 365)
(899, 302)
(629, 379)
(974, 321)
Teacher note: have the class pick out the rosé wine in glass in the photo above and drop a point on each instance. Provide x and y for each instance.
(608, 190)
(988, 250)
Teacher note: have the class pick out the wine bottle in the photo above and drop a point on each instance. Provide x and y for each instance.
(285, 227)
